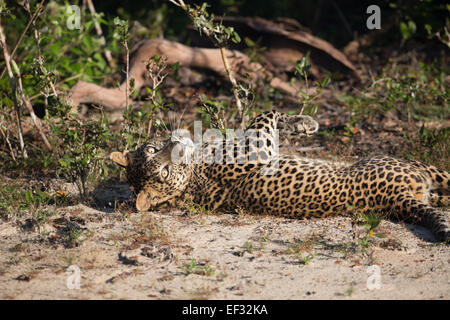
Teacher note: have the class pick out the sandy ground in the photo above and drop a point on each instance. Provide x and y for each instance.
(174, 255)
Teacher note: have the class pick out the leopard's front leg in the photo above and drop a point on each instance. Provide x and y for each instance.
(210, 195)
(295, 126)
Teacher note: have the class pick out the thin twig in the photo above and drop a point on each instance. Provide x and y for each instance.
(19, 89)
(99, 31)
(57, 85)
(309, 149)
(234, 87)
(35, 119)
(125, 44)
(12, 81)
(8, 143)
(40, 58)
(179, 3)
(149, 128)
(24, 32)
(156, 72)
(343, 19)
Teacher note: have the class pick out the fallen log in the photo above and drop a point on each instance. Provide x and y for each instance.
(205, 58)
(287, 42)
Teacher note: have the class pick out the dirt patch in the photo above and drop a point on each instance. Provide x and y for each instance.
(172, 255)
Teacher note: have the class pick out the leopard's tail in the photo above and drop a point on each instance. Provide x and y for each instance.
(419, 212)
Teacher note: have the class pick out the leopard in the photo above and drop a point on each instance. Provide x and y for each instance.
(258, 178)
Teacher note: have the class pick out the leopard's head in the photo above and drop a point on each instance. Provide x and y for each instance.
(155, 176)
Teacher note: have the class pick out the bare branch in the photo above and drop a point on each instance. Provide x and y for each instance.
(235, 87)
(99, 31)
(218, 35)
(12, 80)
(24, 32)
(8, 143)
(19, 89)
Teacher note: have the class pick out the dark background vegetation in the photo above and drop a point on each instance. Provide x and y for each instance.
(332, 20)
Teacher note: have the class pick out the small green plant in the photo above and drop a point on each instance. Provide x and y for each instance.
(193, 267)
(194, 208)
(254, 50)
(430, 146)
(250, 246)
(372, 220)
(83, 142)
(76, 236)
(77, 144)
(42, 215)
(364, 242)
(220, 36)
(138, 122)
(407, 29)
(303, 259)
(349, 292)
(14, 201)
(69, 259)
(205, 24)
(417, 91)
(213, 112)
(302, 69)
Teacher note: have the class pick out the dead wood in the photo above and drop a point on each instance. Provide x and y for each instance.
(205, 58)
(287, 43)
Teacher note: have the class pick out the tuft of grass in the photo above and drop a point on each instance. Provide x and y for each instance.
(417, 91)
(250, 246)
(18, 203)
(76, 236)
(69, 259)
(302, 258)
(193, 208)
(430, 146)
(192, 267)
(349, 292)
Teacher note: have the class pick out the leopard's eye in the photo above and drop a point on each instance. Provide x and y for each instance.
(164, 172)
(151, 150)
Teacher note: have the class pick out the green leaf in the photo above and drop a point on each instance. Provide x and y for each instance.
(325, 82)
(249, 42)
(236, 38)
(28, 196)
(412, 26)
(174, 67)
(408, 29)
(87, 41)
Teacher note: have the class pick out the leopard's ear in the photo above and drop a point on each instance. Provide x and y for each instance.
(143, 201)
(119, 158)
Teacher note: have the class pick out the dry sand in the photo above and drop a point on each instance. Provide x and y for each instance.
(172, 255)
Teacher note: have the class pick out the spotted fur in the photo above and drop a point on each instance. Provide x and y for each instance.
(298, 187)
